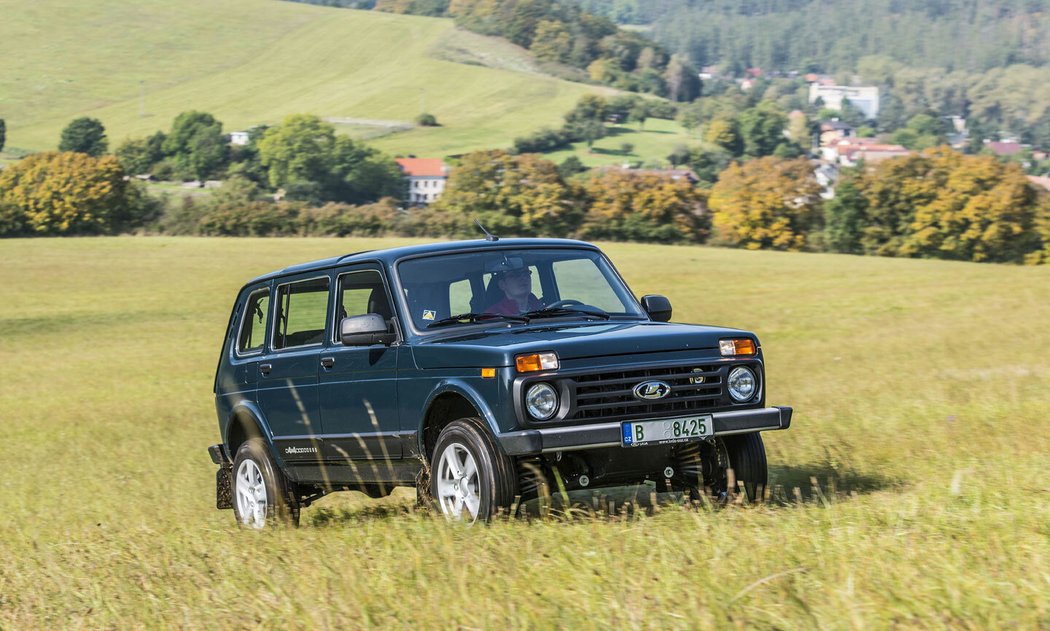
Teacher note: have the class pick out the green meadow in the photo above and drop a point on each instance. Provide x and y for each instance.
(911, 490)
(134, 65)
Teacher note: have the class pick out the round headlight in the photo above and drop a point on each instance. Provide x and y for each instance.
(541, 401)
(742, 384)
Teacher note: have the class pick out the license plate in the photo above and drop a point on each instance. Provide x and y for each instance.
(667, 431)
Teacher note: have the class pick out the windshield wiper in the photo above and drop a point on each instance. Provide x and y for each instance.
(553, 312)
(466, 318)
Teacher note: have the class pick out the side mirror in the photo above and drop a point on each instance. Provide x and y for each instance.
(658, 307)
(365, 330)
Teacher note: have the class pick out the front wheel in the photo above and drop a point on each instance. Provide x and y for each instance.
(260, 490)
(721, 467)
(470, 478)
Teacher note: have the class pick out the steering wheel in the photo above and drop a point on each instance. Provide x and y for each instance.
(564, 303)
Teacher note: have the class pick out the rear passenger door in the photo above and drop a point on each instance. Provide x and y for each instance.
(287, 387)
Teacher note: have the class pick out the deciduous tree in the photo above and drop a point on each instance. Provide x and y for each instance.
(632, 206)
(84, 135)
(70, 193)
(766, 203)
(197, 144)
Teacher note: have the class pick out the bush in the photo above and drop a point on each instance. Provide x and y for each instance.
(344, 220)
(542, 141)
(427, 120)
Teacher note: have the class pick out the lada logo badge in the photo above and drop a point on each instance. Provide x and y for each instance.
(649, 390)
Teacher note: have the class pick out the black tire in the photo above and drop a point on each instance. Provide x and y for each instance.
(747, 458)
(705, 468)
(280, 502)
(496, 479)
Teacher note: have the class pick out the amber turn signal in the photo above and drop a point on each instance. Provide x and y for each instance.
(741, 346)
(535, 362)
(488, 373)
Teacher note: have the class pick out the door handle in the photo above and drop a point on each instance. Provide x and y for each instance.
(265, 368)
(327, 362)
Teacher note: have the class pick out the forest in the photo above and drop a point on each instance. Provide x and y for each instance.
(823, 36)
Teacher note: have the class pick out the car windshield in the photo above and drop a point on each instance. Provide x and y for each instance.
(513, 285)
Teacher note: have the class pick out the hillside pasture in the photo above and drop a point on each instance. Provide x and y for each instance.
(136, 64)
(918, 448)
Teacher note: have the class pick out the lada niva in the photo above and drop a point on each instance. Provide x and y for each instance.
(480, 372)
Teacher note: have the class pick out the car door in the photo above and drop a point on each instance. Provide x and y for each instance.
(358, 384)
(287, 385)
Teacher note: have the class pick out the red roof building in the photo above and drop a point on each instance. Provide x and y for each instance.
(424, 177)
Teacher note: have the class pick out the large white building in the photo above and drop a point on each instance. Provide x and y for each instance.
(864, 98)
(425, 178)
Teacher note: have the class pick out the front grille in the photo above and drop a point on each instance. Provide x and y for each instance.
(609, 396)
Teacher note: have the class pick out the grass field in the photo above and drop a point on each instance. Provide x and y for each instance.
(653, 142)
(920, 391)
(135, 64)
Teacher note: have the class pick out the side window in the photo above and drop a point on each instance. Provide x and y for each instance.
(302, 308)
(580, 279)
(460, 296)
(253, 322)
(360, 293)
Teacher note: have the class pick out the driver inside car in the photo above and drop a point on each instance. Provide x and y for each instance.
(516, 285)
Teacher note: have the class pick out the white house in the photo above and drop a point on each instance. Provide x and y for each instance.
(424, 177)
(864, 98)
(239, 138)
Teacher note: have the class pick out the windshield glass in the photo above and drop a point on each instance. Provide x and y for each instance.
(503, 285)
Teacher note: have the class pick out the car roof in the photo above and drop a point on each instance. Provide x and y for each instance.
(391, 255)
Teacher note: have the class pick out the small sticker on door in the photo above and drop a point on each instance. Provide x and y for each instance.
(429, 314)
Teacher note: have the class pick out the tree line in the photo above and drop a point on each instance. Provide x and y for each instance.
(832, 36)
(562, 34)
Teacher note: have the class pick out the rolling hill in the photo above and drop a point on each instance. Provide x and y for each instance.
(135, 64)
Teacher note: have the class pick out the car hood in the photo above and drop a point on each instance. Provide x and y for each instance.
(497, 346)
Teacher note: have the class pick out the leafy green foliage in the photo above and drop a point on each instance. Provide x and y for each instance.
(84, 135)
(304, 156)
(563, 33)
(197, 144)
(427, 120)
(791, 34)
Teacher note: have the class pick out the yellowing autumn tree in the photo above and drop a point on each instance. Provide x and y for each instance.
(69, 193)
(766, 203)
(522, 195)
(626, 205)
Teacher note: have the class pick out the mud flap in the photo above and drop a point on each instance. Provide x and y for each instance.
(224, 487)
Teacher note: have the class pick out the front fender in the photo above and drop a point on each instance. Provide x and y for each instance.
(463, 388)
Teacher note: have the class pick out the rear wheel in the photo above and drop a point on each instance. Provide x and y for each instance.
(470, 478)
(260, 491)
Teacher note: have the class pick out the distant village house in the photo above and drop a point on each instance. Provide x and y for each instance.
(424, 178)
(864, 98)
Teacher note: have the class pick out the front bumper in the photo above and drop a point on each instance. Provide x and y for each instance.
(535, 441)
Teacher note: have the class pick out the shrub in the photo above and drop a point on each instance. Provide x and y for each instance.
(427, 120)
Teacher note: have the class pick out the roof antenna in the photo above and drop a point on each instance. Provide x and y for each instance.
(488, 235)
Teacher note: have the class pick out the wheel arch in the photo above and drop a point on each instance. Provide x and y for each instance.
(451, 400)
(245, 423)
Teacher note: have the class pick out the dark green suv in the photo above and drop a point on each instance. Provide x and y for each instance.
(481, 372)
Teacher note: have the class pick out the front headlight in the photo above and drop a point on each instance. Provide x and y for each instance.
(742, 384)
(541, 401)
